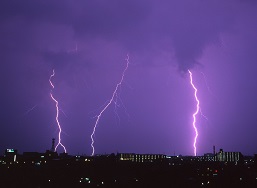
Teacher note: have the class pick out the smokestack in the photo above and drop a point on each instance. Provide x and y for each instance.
(53, 143)
(214, 152)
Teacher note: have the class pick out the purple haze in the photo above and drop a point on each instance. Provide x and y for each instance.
(86, 42)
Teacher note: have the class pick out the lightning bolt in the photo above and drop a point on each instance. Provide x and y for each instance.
(57, 115)
(204, 116)
(208, 87)
(116, 106)
(112, 100)
(118, 103)
(204, 77)
(29, 110)
(196, 112)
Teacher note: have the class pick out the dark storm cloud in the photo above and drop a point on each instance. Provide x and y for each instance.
(183, 29)
(188, 27)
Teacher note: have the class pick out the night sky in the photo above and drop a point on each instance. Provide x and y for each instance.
(86, 42)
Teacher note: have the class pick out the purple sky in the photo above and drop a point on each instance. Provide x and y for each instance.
(163, 39)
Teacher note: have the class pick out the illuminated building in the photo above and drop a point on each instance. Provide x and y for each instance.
(11, 155)
(209, 157)
(229, 156)
(140, 157)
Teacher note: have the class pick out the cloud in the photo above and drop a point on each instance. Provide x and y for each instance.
(181, 28)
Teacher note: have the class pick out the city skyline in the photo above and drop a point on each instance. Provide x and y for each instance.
(127, 170)
(87, 43)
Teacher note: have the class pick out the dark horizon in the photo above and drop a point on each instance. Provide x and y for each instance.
(115, 153)
(127, 170)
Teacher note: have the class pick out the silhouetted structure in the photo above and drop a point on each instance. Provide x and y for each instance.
(33, 169)
(53, 143)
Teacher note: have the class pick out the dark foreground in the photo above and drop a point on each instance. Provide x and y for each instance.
(62, 173)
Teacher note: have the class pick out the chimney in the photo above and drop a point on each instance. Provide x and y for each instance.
(53, 141)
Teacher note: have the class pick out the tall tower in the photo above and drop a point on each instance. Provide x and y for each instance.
(53, 143)
(214, 150)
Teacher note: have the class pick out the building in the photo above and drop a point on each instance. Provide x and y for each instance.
(140, 157)
(209, 157)
(10, 155)
(233, 157)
